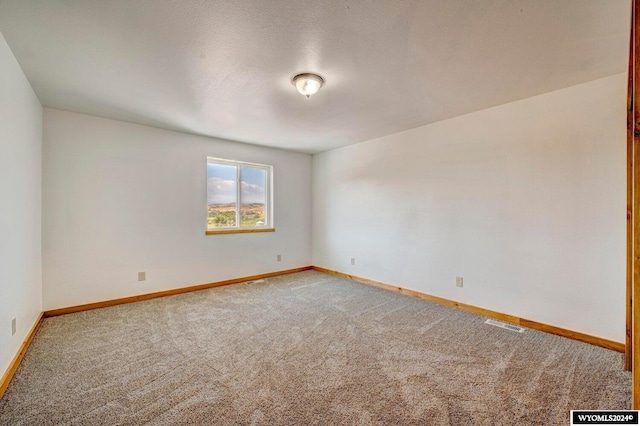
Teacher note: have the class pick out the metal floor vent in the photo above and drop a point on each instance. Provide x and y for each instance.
(254, 282)
(505, 325)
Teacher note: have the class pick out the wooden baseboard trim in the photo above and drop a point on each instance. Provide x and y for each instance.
(172, 292)
(586, 338)
(17, 359)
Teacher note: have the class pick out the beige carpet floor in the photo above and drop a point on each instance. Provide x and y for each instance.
(305, 348)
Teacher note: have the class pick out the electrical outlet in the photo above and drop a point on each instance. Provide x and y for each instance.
(353, 260)
(459, 282)
(13, 326)
(142, 276)
(279, 257)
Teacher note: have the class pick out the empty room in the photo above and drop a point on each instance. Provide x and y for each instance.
(330, 212)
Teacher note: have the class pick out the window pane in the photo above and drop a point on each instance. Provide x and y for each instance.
(253, 196)
(222, 194)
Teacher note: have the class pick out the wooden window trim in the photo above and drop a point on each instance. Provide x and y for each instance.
(238, 231)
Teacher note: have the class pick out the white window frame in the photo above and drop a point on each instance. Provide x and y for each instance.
(268, 212)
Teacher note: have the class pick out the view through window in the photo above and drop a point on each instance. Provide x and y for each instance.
(238, 195)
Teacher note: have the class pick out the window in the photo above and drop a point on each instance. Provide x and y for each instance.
(238, 197)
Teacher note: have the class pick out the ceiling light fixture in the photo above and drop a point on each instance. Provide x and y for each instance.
(307, 84)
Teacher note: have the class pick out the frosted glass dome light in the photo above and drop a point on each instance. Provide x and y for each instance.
(307, 84)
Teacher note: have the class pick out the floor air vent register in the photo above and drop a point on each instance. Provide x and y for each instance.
(505, 325)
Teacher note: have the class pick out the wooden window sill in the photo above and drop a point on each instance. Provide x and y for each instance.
(238, 231)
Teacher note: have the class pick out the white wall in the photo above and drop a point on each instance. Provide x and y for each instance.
(526, 201)
(119, 198)
(20, 212)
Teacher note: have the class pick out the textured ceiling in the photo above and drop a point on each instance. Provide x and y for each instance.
(223, 68)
